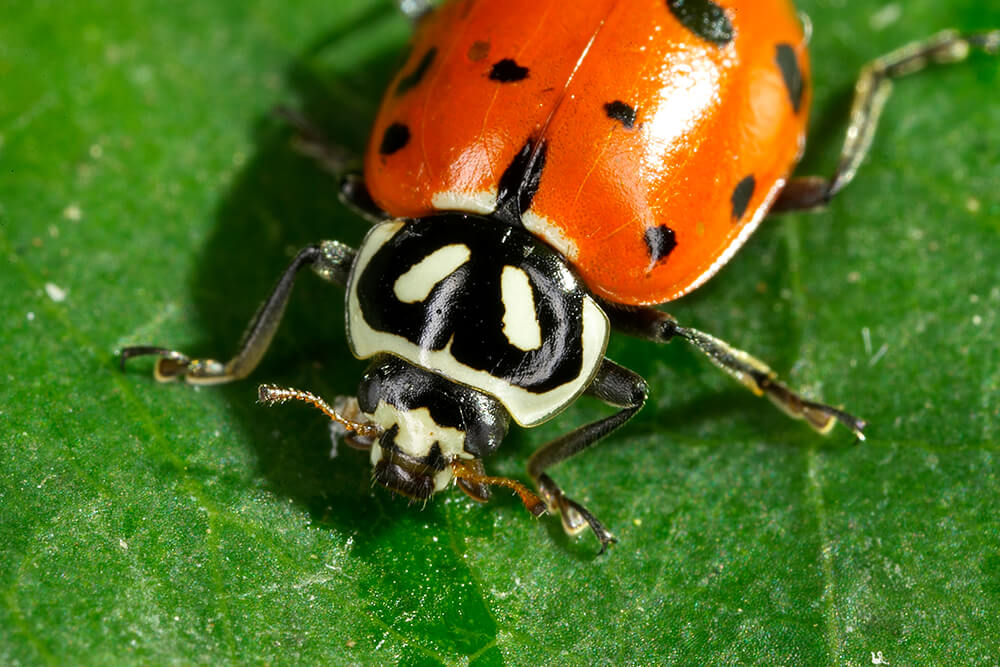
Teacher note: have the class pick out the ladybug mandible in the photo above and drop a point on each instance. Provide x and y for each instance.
(536, 178)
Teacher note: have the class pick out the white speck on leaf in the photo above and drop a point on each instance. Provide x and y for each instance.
(56, 293)
(885, 16)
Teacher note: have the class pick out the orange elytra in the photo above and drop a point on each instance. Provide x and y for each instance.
(658, 132)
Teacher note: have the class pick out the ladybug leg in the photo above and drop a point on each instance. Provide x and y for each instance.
(870, 94)
(354, 194)
(753, 373)
(617, 386)
(331, 260)
(311, 142)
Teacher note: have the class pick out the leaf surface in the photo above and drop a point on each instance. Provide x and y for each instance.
(147, 195)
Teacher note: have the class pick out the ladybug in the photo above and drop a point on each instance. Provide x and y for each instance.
(536, 178)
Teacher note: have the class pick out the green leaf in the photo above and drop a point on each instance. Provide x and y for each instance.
(147, 195)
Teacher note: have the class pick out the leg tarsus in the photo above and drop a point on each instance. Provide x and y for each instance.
(331, 260)
(617, 386)
(575, 517)
(755, 375)
(870, 94)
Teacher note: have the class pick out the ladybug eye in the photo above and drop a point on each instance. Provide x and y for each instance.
(520, 323)
(417, 283)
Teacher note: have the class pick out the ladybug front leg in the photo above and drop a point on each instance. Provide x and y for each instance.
(870, 94)
(617, 386)
(332, 260)
(753, 373)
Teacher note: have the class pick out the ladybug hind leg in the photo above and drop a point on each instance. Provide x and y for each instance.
(870, 95)
(617, 386)
(654, 325)
(340, 162)
(332, 260)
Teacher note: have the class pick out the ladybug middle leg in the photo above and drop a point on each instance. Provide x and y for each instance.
(617, 386)
(660, 327)
(870, 94)
(332, 260)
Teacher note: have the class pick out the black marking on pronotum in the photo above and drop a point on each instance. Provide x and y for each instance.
(704, 18)
(621, 112)
(520, 182)
(409, 81)
(788, 63)
(741, 196)
(660, 241)
(507, 71)
(396, 136)
(463, 313)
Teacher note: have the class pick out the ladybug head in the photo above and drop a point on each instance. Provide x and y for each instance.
(428, 424)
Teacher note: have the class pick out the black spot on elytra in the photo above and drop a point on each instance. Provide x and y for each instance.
(409, 81)
(507, 71)
(520, 182)
(621, 112)
(741, 196)
(660, 241)
(704, 18)
(788, 63)
(396, 136)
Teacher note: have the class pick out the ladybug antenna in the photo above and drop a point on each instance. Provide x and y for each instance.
(270, 394)
(464, 471)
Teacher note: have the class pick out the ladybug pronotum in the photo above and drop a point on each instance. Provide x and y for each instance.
(530, 195)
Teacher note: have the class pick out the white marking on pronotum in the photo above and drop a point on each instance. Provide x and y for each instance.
(416, 284)
(520, 325)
